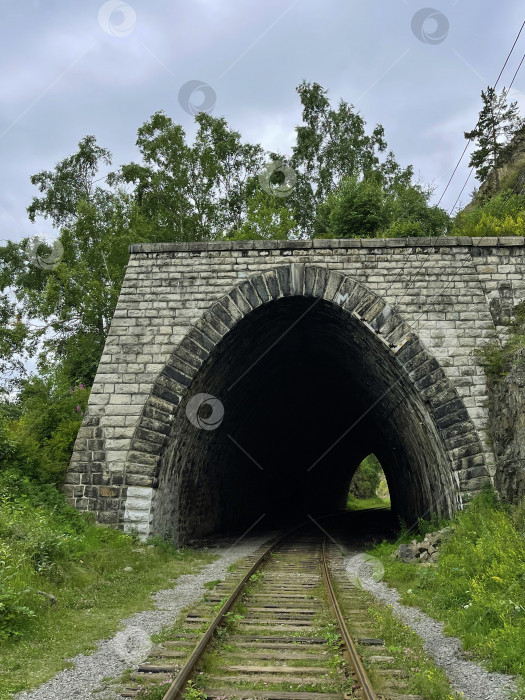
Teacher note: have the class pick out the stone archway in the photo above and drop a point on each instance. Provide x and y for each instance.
(401, 401)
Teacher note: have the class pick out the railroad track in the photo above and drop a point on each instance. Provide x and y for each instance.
(288, 625)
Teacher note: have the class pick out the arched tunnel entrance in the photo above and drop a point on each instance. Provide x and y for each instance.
(308, 391)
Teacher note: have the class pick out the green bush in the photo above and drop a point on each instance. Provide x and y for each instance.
(405, 229)
(499, 359)
(66, 582)
(13, 454)
(502, 215)
(364, 208)
(15, 615)
(41, 541)
(411, 215)
(358, 209)
(37, 433)
(482, 576)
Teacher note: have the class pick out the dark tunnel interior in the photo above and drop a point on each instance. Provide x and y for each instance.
(308, 391)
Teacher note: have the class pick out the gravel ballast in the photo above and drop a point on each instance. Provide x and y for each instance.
(465, 676)
(131, 644)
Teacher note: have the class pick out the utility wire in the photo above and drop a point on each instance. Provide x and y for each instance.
(510, 87)
(495, 85)
(508, 57)
(517, 71)
(462, 190)
(454, 172)
(469, 141)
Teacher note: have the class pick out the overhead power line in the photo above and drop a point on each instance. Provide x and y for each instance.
(508, 57)
(517, 71)
(472, 169)
(469, 141)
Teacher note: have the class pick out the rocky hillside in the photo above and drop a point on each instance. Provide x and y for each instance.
(507, 428)
(504, 366)
(511, 175)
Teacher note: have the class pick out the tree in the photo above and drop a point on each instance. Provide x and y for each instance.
(266, 218)
(344, 183)
(65, 308)
(13, 339)
(367, 477)
(72, 182)
(57, 300)
(357, 209)
(497, 123)
(366, 208)
(411, 213)
(332, 144)
(192, 192)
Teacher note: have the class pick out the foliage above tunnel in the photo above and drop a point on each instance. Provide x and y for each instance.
(57, 300)
(214, 187)
(498, 206)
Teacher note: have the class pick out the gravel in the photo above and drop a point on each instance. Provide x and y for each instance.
(132, 643)
(465, 676)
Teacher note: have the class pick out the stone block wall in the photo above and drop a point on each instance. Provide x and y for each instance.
(452, 294)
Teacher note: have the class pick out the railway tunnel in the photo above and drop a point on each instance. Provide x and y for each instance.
(313, 351)
(280, 415)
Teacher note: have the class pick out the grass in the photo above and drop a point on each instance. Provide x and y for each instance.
(210, 585)
(88, 612)
(157, 690)
(48, 548)
(422, 675)
(478, 585)
(401, 642)
(354, 503)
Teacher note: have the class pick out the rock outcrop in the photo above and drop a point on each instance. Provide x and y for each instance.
(426, 551)
(507, 430)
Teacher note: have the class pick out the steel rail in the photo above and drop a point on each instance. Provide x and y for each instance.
(184, 675)
(350, 650)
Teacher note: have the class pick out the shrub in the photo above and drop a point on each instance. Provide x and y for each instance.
(411, 215)
(502, 215)
(15, 616)
(40, 536)
(364, 208)
(37, 433)
(358, 209)
(499, 359)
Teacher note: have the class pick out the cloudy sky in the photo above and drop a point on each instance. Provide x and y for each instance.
(76, 67)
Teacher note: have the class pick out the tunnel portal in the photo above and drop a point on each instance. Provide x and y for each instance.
(307, 392)
(303, 357)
